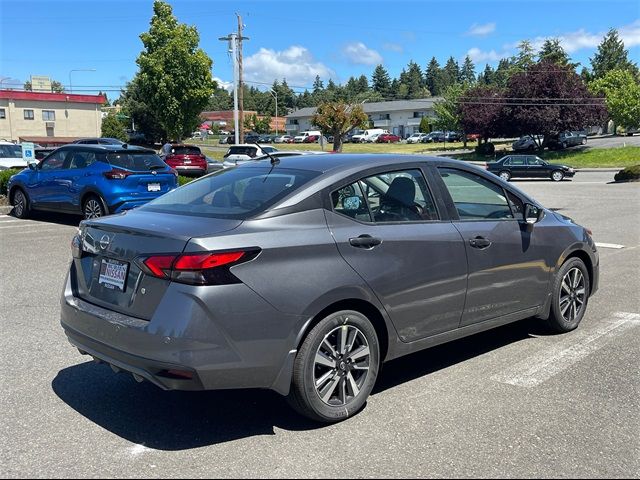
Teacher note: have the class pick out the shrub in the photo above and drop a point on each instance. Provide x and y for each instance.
(183, 180)
(5, 175)
(629, 174)
(486, 149)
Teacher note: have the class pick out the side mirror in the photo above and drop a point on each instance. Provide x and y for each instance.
(532, 214)
(33, 166)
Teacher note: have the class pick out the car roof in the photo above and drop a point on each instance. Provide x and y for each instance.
(104, 147)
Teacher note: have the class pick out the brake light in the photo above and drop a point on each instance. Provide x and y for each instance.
(205, 268)
(589, 232)
(117, 174)
(175, 172)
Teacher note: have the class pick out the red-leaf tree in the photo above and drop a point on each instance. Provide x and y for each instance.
(547, 99)
(480, 110)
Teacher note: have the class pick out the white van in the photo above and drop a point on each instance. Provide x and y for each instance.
(369, 135)
(304, 136)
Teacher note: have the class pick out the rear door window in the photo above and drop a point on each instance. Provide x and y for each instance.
(517, 161)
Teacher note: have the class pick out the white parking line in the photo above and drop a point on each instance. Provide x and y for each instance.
(609, 245)
(539, 368)
(31, 225)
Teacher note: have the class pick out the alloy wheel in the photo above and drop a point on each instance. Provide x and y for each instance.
(505, 176)
(92, 209)
(19, 203)
(573, 294)
(341, 366)
(557, 176)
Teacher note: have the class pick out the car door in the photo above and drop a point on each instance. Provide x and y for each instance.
(536, 167)
(44, 190)
(507, 268)
(517, 166)
(77, 176)
(386, 226)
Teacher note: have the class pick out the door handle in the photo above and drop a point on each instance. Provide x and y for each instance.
(365, 241)
(480, 242)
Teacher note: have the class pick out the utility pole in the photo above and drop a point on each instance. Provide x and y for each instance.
(240, 84)
(233, 43)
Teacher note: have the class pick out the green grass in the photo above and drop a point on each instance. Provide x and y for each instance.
(577, 157)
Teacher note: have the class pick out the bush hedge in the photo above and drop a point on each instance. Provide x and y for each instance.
(629, 174)
(5, 175)
(182, 180)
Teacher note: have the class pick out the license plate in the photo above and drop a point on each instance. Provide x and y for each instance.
(113, 274)
(153, 187)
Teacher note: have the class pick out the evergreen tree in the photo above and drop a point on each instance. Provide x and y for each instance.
(611, 55)
(433, 77)
(381, 82)
(317, 84)
(450, 74)
(525, 57)
(468, 72)
(362, 84)
(414, 82)
(487, 77)
(503, 72)
(552, 51)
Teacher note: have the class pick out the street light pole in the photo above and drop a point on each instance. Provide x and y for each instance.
(78, 70)
(275, 95)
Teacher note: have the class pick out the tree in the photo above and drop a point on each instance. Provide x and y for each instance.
(468, 71)
(220, 100)
(433, 77)
(381, 82)
(549, 99)
(503, 72)
(175, 75)
(448, 114)
(337, 118)
(611, 55)
(317, 84)
(450, 74)
(113, 128)
(552, 51)
(480, 111)
(487, 77)
(135, 105)
(525, 57)
(424, 125)
(622, 92)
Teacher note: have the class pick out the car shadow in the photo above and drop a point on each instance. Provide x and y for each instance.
(57, 218)
(173, 420)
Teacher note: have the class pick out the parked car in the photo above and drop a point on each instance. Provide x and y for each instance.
(519, 166)
(527, 143)
(227, 140)
(353, 136)
(303, 136)
(244, 152)
(187, 160)
(91, 180)
(213, 165)
(435, 136)
(11, 156)
(42, 152)
(99, 141)
(416, 137)
(565, 140)
(272, 155)
(453, 136)
(283, 139)
(304, 277)
(251, 138)
(266, 138)
(388, 138)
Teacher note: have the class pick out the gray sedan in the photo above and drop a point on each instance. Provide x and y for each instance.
(304, 274)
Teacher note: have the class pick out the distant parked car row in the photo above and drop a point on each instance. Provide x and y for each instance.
(557, 142)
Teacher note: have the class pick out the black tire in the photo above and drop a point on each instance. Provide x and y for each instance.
(505, 175)
(305, 397)
(564, 145)
(584, 141)
(562, 318)
(21, 204)
(93, 207)
(557, 175)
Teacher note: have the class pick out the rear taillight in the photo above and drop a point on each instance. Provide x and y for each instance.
(204, 268)
(175, 172)
(117, 174)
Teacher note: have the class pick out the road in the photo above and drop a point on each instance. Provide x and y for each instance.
(513, 402)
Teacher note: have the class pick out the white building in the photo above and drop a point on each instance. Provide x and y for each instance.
(401, 117)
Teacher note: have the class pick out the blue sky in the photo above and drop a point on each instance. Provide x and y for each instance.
(297, 39)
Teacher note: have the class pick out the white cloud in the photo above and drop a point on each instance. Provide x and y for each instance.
(228, 86)
(393, 47)
(479, 56)
(296, 64)
(358, 53)
(582, 39)
(483, 30)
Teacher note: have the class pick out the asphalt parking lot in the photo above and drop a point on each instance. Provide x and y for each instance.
(513, 402)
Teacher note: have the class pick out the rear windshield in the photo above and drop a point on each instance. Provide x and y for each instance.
(250, 151)
(141, 161)
(186, 150)
(236, 193)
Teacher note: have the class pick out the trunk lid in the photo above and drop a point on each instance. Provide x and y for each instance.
(107, 274)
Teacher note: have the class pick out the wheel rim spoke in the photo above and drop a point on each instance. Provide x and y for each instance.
(324, 360)
(328, 390)
(355, 390)
(359, 353)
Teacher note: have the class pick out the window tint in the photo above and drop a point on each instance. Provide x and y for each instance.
(233, 193)
(475, 197)
(400, 196)
(351, 201)
(516, 161)
(534, 161)
(80, 159)
(10, 151)
(55, 161)
(136, 161)
(250, 151)
(517, 207)
(186, 151)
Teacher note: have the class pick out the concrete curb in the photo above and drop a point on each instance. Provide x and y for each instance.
(4, 210)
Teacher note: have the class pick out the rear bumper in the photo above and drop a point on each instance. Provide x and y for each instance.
(244, 343)
(190, 170)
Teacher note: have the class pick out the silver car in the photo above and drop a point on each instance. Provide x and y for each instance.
(304, 274)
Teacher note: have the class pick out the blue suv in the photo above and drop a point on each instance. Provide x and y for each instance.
(92, 180)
